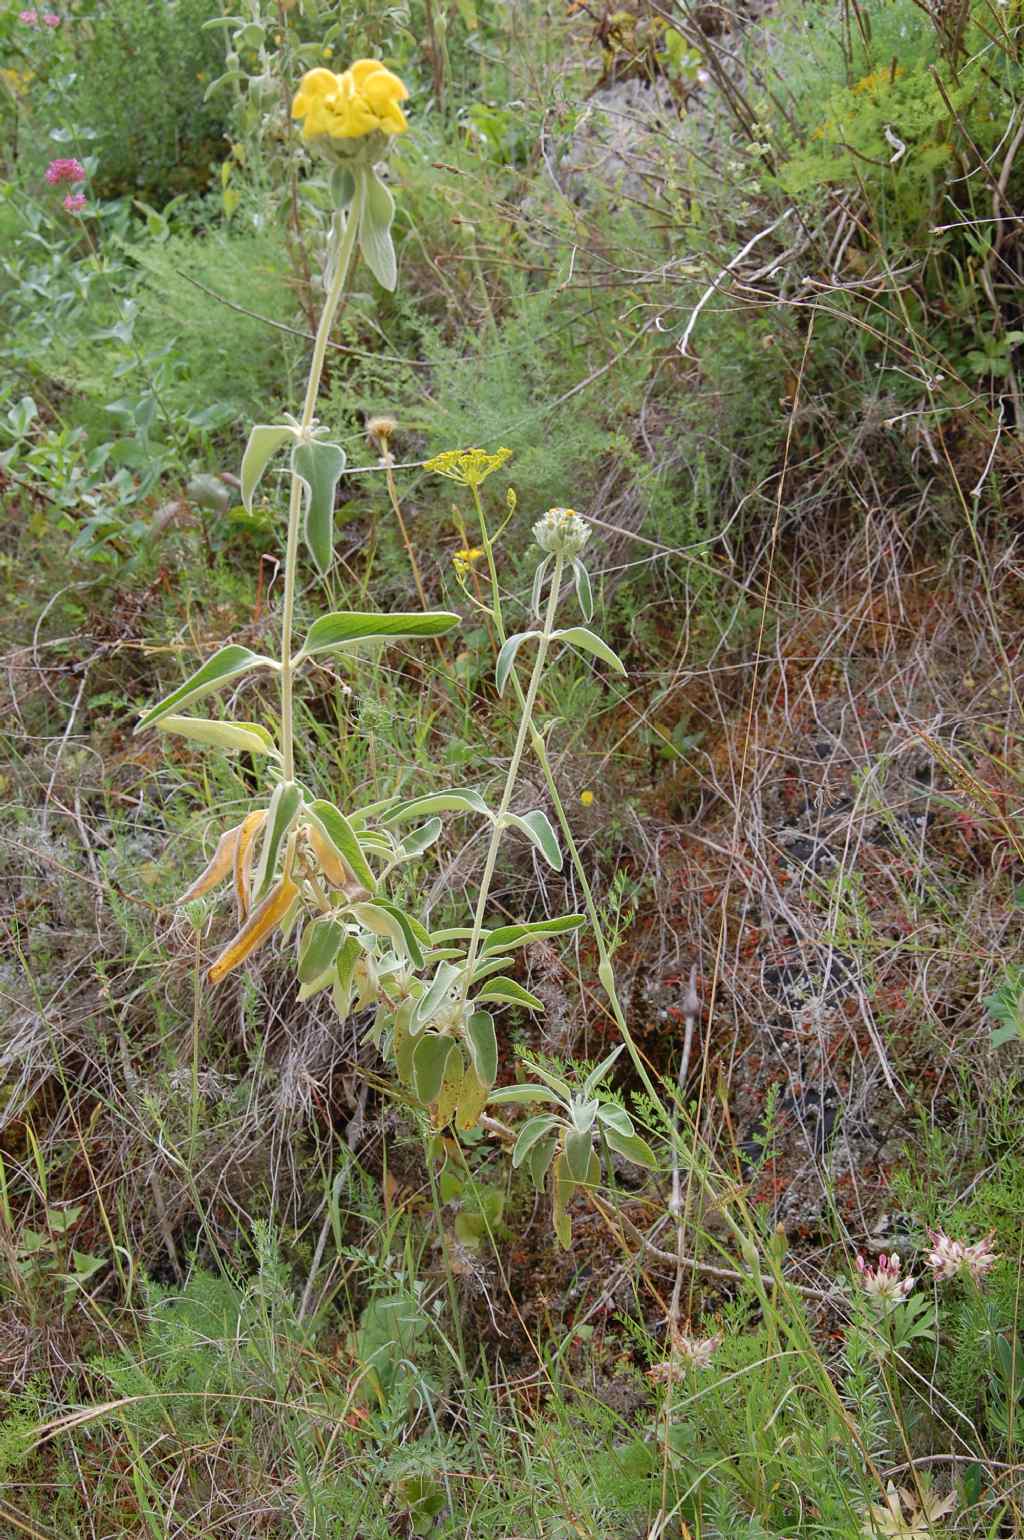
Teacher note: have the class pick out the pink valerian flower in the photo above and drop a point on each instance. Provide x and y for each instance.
(64, 170)
(883, 1282)
(29, 18)
(51, 19)
(75, 202)
(949, 1258)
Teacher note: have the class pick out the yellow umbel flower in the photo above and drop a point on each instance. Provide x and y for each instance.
(463, 560)
(469, 467)
(364, 100)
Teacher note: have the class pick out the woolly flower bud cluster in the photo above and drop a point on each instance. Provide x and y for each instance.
(949, 1258)
(686, 1353)
(883, 1282)
(338, 110)
(561, 532)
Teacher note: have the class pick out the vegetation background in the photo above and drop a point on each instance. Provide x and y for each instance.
(742, 283)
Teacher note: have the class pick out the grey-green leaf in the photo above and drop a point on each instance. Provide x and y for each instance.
(508, 990)
(343, 837)
(540, 1159)
(586, 641)
(321, 942)
(428, 1061)
(537, 828)
(281, 814)
(584, 592)
(617, 1119)
(375, 243)
(464, 800)
(421, 839)
(506, 937)
(632, 1147)
(265, 440)
(349, 628)
(577, 1153)
(522, 1095)
(319, 467)
(507, 656)
(232, 737)
(227, 664)
(434, 995)
(483, 1046)
(532, 1130)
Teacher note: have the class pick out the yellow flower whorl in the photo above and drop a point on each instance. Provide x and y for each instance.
(364, 100)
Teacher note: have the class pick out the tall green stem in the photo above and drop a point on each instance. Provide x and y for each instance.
(346, 246)
(525, 722)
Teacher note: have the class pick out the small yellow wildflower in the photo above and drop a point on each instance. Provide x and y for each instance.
(878, 79)
(364, 100)
(469, 467)
(464, 559)
(586, 797)
(327, 53)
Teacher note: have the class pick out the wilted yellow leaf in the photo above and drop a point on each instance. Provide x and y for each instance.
(265, 918)
(247, 833)
(218, 867)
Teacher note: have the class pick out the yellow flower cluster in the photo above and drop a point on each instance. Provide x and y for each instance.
(469, 467)
(364, 100)
(463, 560)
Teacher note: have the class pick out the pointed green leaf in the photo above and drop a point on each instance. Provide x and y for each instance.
(227, 664)
(508, 990)
(337, 829)
(506, 937)
(538, 586)
(434, 996)
(577, 1153)
(281, 814)
(558, 1085)
(595, 1077)
(616, 1118)
(537, 828)
(583, 1114)
(375, 243)
(464, 800)
(319, 467)
(507, 656)
(344, 970)
(632, 1147)
(483, 1047)
(522, 1095)
(232, 737)
(265, 440)
(321, 942)
(421, 839)
(540, 1159)
(428, 1064)
(579, 636)
(349, 628)
(562, 1189)
(385, 919)
(584, 592)
(532, 1130)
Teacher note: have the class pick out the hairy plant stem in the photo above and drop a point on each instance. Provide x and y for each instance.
(525, 727)
(346, 246)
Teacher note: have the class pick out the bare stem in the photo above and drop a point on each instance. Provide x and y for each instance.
(525, 726)
(346, 245)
